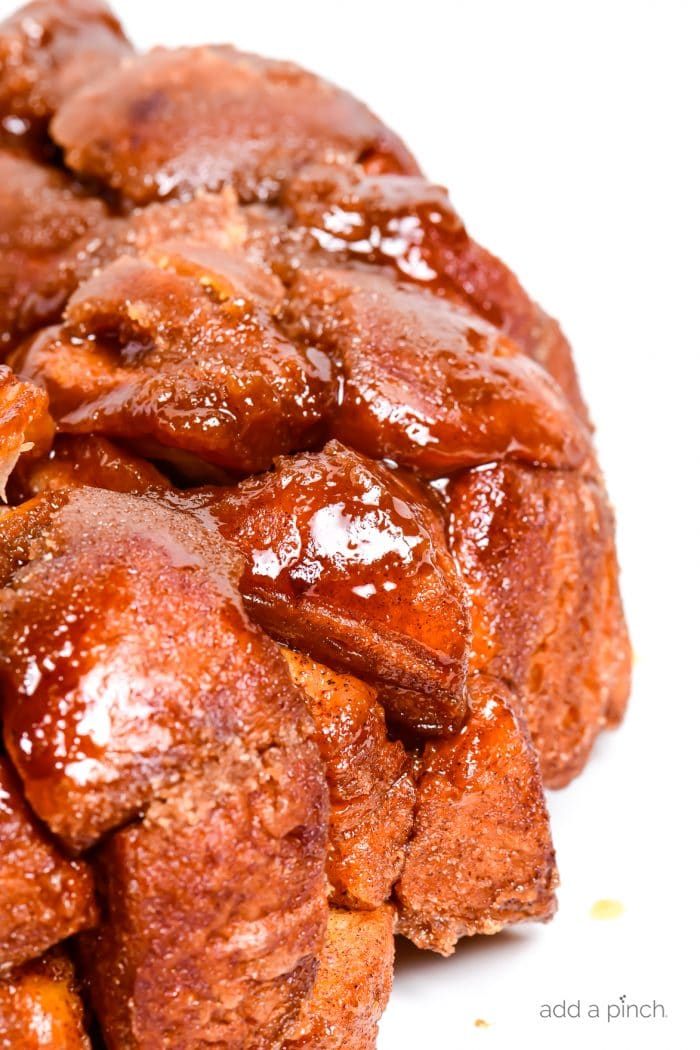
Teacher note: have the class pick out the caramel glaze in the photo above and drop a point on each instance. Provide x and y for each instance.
(344, 559)
(53, 235)
(47, 51)
(75, 461)
(214, 116)
(41, 1007)
(426, 382)
(372, 779)
(25, 424)
(201, 351)
(135, 690)
(405, 222)
(180, 347)
(56, 900)
(245, 274)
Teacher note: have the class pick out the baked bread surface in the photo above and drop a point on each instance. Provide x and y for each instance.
(309, 583)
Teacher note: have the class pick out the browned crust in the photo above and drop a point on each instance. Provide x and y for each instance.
(342, 301)
(481, 855)
(215, 116)
(44, 896)
(353, 983)
(159, 700)
(537, 552)
(48, 49)
(370, 784)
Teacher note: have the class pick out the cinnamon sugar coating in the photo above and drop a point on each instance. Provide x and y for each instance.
(308, 572)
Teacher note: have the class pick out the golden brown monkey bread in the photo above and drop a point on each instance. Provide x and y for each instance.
(208, 218)
(40, 1006)
(101, 731)
(179, 348)
(48, 49)
(369, 781)
(172, 122)
(426, 382)
(537, 552)
(44, 896)
(213, 924)
(135, 687)
(481, 855)
(353, 983)
(347, 560)
(221, 267)
(405, 222)
(45, 222)
(89, 460)
(53, 235)
(25, 424)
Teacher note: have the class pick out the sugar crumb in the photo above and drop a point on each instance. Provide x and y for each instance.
(607, 909)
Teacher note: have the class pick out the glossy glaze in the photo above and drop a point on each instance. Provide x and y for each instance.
(135, 687)
(26, 428)
(239, 262)
(44, 895)
(41, 1007)
(537, 552)
(342, 558)
(404, 222)
(179, 347)
(47, 50)
(370, 784)
(53, 235)
(427, 383)
(74, 461)
(91, 722)
(211, 116)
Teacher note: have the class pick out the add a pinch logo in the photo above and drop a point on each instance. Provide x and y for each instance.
(620, 1009)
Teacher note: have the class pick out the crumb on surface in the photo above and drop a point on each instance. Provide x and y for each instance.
(607, 909)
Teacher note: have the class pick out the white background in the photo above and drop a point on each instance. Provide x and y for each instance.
(566, 134)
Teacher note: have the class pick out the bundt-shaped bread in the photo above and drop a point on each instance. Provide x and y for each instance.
(308, 574)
